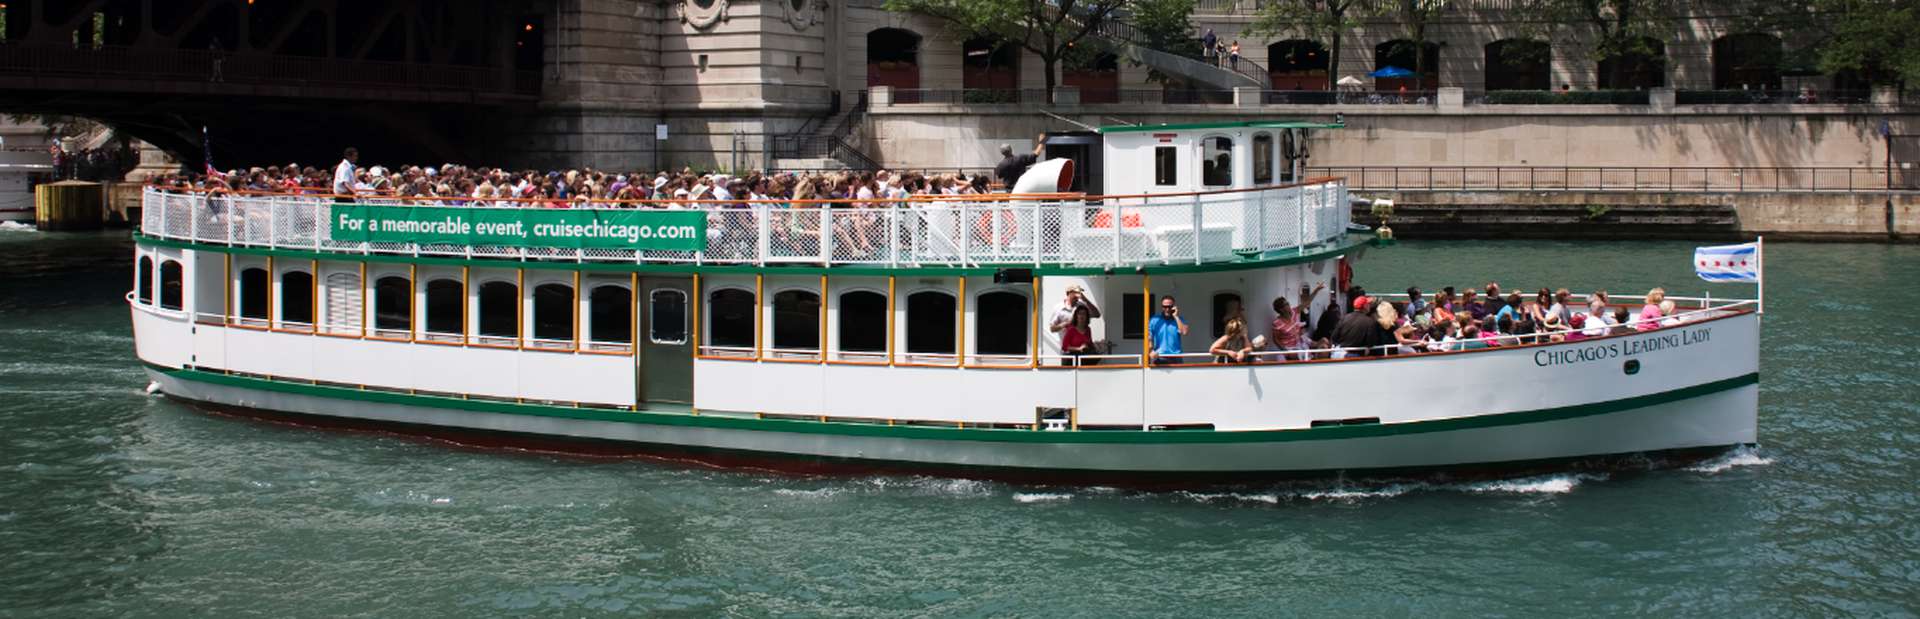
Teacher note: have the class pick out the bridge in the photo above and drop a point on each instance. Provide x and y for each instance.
(280, 81)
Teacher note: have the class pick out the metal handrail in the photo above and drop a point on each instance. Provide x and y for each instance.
(1041, 229)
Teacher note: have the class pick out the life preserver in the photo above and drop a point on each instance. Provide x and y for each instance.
(1104, 219)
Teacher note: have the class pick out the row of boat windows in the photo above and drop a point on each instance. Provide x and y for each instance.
(171, 288)
(932, 317)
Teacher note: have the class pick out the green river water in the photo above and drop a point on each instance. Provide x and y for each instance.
(113, 502)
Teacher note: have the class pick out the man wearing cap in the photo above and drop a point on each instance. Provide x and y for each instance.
(1012, 166)
(1063, 316)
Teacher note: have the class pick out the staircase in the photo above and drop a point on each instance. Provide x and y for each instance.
(1118, 37)
(826, 142)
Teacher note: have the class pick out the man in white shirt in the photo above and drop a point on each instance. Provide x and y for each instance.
(343, 173)
(1063, 315)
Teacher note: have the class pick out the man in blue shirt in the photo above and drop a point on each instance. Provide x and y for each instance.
(1165, 328)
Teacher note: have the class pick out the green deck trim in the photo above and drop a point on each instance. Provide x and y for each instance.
(1256, 124)
(971, 434)
(1264, 260)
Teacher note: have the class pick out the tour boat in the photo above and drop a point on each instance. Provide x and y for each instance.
(911, 335)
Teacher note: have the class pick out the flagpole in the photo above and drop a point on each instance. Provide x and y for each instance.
(1760, 264)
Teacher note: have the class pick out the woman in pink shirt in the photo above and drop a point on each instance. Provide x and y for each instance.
(1650, 313)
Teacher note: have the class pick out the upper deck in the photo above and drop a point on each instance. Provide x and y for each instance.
(1235, 226)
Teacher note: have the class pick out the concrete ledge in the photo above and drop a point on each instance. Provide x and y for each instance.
(1623, 215)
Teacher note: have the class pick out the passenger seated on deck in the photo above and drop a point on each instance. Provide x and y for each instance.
(1621, 324)
(1365, 330)
(1671, 314)
(1471, 339)
(1234, 347)
(1650, 313)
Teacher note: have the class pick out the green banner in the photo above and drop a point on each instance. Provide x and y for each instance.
(521, 227)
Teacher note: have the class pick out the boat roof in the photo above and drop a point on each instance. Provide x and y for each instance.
(1262, 124)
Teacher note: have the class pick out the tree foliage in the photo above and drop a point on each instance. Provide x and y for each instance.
(1053, 30)
(1165, 25)
(1876, 40)
(1318, 20)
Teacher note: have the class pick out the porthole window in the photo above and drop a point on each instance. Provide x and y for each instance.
(668, 309)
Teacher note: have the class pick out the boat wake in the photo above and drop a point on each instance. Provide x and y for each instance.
(1348, 491)
(14, 226)
(1740, 457)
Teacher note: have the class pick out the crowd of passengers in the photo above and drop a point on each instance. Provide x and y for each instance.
(458, 185)
(1471, 319)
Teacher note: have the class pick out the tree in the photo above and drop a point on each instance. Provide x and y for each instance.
(1315, 19)
(1618, 28)
(1051, 29)
(1165, 25)
(1873, 39)
(1415, 16)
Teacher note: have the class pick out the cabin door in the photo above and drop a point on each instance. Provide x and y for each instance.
(666, 345)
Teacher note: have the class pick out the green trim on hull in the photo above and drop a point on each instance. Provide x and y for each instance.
(970, 434)
(1270, 259)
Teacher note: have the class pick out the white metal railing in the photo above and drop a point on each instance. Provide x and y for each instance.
(1098, 231)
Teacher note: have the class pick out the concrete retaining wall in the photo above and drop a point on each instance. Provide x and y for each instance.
(1612, 215)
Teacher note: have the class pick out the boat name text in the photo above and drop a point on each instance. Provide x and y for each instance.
(1601, 351)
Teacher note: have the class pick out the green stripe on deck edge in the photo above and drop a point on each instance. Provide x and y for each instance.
(972, 434)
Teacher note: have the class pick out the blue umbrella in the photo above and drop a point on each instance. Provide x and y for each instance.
(1392, 71)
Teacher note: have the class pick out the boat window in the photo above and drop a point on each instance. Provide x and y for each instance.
(499, 309)
(931, 322)
(446, 306)
(730, 318)
(170, 286)
(863, 320)
(553, 312)
(344, 312)
(1216, 163)
(143, 280)
(796, 320)
(1263, 158)
(1226, 305)
(668, 309)
(393, 303)
(1133, 325)
(296, 298)
(1000, 324)
(254, 293)
(610, 314)
(1166, 165)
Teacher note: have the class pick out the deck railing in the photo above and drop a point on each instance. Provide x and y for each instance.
(1077, 230)
(1666, 179)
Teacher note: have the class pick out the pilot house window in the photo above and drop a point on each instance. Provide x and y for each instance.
(1216, 165)
(1166, 166)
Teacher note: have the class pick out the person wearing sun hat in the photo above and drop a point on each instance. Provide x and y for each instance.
(1075, 298)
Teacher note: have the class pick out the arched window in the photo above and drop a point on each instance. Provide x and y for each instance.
(446, 307)
(170, 284)
(990, 64)
(730, 318)
(1637, 64)
(863, 321)
(1746, 61)
(1420, 62)
(256, 293)
(143, 280)
(500, 309)
(296, 298)
(610, 314)
(553, 313)
(1263, 146)
(393, 305)
(1226, 305)
(893, 59)
(667, 308)
(1297, 64)
(1000, 324)
(796, 321)
(931, 323)
(1519, 64)
(1216, 161)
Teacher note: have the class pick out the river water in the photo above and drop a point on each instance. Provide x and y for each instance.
(116, 503)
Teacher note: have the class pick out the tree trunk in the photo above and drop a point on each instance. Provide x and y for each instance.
(1050, 62)
(1333, 63)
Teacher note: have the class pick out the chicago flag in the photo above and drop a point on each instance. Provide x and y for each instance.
(1728, 263)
